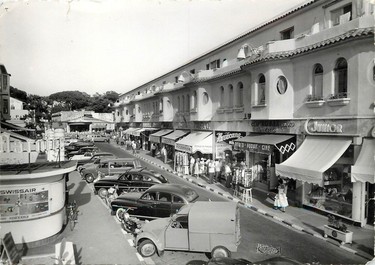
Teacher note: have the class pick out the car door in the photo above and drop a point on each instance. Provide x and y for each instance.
(146, 205)
(136, 181)
(163, 206)
(124, 182)
(177, 234)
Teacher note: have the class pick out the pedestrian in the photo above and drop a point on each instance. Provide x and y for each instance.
(217, 170)
(153, 149)
(197, 167)
(134, 147)
(281, 201)
(211, 170)
(192, 161)
(228, 175)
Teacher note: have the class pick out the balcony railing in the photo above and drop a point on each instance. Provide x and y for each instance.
(314, 101)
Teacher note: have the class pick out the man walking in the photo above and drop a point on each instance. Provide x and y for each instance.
(217, 170)
(211, 170)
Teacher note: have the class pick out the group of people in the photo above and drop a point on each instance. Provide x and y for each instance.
(214, 169)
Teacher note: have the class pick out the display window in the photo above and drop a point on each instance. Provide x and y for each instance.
(335, 196)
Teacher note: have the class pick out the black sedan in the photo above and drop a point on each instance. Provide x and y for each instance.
(133, 180)
(161, 200)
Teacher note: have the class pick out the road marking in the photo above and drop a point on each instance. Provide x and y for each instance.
(131, 243)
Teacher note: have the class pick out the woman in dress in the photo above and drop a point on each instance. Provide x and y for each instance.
(281, 201)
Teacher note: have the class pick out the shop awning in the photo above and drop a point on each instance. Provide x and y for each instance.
(156, 137)
(139, 131)
(257, 143)
(200, 142)
(172, 137)
(364, 168)
(186, 144)
(130, 130)
(316, 155)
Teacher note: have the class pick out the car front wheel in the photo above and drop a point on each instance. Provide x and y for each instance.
(220, 252)
(146, 248)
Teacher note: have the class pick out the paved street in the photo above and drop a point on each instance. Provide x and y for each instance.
(99, 239)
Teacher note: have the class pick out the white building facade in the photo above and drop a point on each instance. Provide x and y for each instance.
(294, 97)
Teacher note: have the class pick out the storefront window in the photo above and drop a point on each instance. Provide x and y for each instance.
(335, 196)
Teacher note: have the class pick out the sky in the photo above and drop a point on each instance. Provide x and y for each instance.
(95, 46)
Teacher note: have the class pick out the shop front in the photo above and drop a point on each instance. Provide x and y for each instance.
(155, 138)
(335, 168)
(198, 144)
(141, 136)
(170, 140)
(126, 133)
(262, 152)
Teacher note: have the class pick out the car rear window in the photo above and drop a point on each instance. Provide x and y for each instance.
(191, 195)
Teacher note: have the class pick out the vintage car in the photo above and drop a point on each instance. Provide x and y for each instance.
(133, 180)
(100, 138)
(161, 200)
(109, 166)
(92, 164)
(81, 151)
(202, 226)
(92, 158)
(74, 146)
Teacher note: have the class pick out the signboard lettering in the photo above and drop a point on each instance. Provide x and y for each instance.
(312, 127)
(228, 137)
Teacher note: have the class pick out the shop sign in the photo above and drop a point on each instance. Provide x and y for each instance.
(202, 126)
(168, 141)
(312, 127)
(155, 139)
(270, 126)
(23, 203)
(228, 137)
(150, 125)
(184, 148)
(254, 147)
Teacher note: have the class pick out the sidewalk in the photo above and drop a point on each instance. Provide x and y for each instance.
(301, 219)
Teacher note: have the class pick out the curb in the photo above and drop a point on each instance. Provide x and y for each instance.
(253, 208)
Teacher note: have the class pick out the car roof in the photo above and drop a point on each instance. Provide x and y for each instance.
(103, 154)
(170, 188)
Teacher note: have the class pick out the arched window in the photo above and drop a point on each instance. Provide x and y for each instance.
(262, 89)
(188, 102)
(161, 105)
(240, 94)
(230, 98)
(205, 98)
(341, 78)
(317, 89)
(222, 97)
(194, 100)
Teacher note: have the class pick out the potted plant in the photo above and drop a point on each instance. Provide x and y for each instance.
(337, 230)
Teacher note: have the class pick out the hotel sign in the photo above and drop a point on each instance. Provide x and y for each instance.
(325, 127)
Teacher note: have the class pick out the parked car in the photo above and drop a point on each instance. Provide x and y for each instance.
(133, 180)
(202, 226)
(74, 146)
(82, 150)
(100, 138)
(81, 156)
(161, 200)
(93, 158)
(110, 166)
(95, 162)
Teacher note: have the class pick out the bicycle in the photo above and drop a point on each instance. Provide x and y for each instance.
(72, 214)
